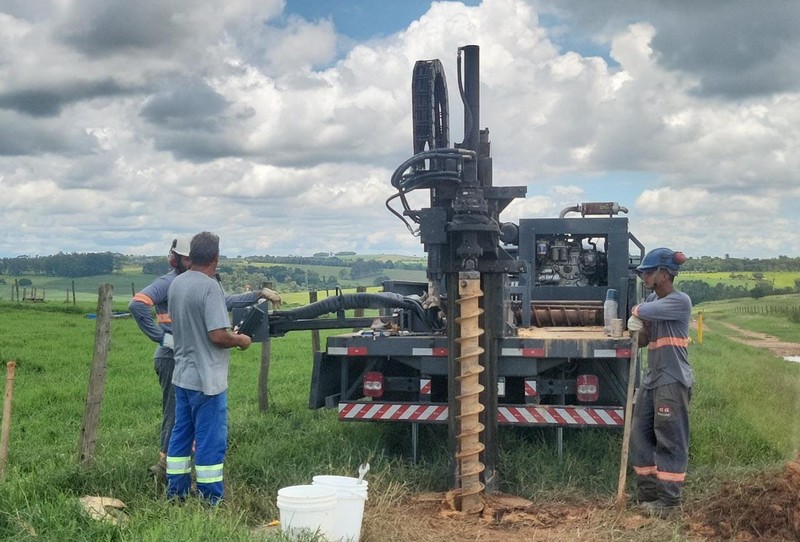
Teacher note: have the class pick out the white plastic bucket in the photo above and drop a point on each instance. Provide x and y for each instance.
(307, 508)
(350, 498)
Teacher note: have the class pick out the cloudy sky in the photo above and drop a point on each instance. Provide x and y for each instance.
(277, 123)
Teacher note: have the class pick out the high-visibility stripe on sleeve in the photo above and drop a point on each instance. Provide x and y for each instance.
(163, 318)
(668, 341)
(144, 298)
(646, 471)
(671, 476)
(208, 474)
(179, 465)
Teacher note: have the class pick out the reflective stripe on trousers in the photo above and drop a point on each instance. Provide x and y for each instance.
(660, 440)
(202, 420)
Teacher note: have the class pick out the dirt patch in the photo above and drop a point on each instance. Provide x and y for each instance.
(507, 518)
(762, 340)
(762, 507)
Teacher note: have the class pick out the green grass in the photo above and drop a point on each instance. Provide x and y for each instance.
(763, 315)
(779, 279)
(744, 416)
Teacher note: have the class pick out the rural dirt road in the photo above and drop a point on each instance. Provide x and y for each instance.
(762, 340)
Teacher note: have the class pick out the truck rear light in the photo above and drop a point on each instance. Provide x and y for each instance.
(588, 388)
(373, 384)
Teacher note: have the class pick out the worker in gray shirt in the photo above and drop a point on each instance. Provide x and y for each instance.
(660, 430)
(202, 343)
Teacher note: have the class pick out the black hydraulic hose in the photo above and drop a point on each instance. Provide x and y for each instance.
(462, 154)
(382, 300)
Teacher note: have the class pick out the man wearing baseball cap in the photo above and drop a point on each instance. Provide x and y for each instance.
(160, 331)
(660, 430)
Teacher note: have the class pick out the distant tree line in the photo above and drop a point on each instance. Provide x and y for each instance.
(62, 265)
(700, 291)
(715, 264)
(336, 260)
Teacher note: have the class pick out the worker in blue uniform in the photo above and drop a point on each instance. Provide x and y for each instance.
(202, 343)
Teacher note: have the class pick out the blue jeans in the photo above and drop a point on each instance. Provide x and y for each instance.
(201, 420)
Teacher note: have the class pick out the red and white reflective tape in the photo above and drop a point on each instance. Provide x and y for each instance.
(530, 388)
(425, 386)
(540, 352)
(392, 412)
(523, 352)
(347, 350)
(612, 352)
(435, 352)
(522, 415)
(547, 415)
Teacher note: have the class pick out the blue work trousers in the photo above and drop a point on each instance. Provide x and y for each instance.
(201, 420)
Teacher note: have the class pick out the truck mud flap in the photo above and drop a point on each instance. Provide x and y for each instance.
(325, 381)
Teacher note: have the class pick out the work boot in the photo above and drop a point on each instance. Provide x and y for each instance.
(660, 509)
(159, 470)
(646, 490)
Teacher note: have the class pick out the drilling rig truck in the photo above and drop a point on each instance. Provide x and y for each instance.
(508, 329)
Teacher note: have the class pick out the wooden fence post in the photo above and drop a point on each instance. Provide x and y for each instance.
(6, 430)
(97, 376)
(700, 327)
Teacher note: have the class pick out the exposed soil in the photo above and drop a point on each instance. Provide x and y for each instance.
(764, 506)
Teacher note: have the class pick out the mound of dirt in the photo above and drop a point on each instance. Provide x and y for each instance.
(765, 506)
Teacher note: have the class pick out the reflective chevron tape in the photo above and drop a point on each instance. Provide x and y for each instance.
(521, 415)
(566, 416)
(392, 412)
(425, 386)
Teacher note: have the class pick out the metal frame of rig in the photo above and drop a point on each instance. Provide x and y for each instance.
(508, 329)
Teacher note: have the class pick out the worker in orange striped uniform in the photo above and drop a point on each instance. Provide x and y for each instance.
(660, 430)
(154, 295)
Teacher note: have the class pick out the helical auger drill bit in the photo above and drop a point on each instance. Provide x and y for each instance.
(469, 405)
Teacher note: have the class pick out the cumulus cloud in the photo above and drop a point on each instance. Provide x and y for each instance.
(139, 121)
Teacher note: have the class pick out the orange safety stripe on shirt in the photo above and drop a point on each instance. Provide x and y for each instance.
(668, 341)
(143, 298)
(671, 476)
(646, 471)
(163, 318)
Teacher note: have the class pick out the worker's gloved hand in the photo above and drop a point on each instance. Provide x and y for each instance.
(168, 341)
(635, 323)
(272, 296)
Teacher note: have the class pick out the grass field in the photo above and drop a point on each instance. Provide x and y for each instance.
(779, 279)
(745, 416)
